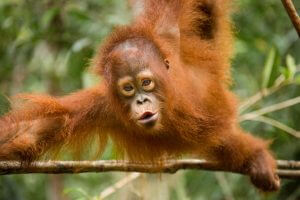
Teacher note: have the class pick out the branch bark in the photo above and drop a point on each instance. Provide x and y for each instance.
(292, 12)
(287, 169)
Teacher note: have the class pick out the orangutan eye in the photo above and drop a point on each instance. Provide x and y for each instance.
(128, 88)
(146, 82)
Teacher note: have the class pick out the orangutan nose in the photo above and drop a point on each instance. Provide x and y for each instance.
(141, 99)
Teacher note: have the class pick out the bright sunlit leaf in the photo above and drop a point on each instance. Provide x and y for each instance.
(268, 68)
(291, 67)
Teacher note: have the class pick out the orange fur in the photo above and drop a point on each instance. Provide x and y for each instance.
(199, 112)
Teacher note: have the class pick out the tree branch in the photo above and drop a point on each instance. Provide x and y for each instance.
(121, 183)
(279, 83)
(277, 124)
(269, 109)
(287, 169)
(292, 12)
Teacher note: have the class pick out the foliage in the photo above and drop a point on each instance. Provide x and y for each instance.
(45, 46)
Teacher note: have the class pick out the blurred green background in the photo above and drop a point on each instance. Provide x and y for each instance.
(46, 46)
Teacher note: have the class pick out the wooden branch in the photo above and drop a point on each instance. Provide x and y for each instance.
(288, 164)
(118, 185)
(287, 169)
(292, 12)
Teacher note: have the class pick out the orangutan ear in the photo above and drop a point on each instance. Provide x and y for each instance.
(167, 63)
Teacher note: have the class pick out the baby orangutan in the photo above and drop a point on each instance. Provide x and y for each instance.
(164, 94)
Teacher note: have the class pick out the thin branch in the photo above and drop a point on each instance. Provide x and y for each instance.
(170, 166)
(292, 12)
(288, 164)
(279, 83)
(118, 185)
(272, 108)
(224, 185)
(277, 124)
(288, 174)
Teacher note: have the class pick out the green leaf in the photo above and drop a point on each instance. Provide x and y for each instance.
(48, 17)
(80, 193)
(24, 35)
(284, 71)
(268, 68)
(79, 15)
(297, 79)
(291, 67)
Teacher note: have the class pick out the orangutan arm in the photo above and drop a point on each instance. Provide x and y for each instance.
(42, 123)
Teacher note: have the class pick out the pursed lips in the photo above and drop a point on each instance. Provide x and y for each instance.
(148, 117)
